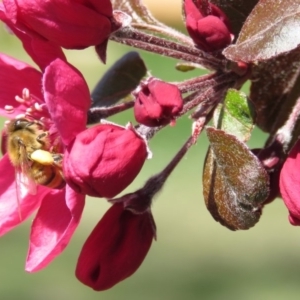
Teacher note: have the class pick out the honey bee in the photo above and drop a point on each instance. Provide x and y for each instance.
(28, 147)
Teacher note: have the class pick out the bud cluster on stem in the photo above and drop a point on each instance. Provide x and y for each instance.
(103, 159)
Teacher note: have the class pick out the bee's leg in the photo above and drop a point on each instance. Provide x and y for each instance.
(41, 137)
(58, 159)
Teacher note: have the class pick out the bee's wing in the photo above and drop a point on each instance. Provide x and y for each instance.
(25, 184)
(24, 180)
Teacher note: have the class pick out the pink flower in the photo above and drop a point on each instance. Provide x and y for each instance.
(71, 24)
(62, 108)
(99, 161)
(59, 211)
(116, 248)
(157, 103)
(114, 156)
(290, 184)
(209, 30)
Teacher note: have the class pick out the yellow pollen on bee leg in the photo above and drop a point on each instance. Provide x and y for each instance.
(43, 157)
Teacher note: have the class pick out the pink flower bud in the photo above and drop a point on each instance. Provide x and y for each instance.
(209, 30)
(104, 160)
(71, 24)
(157, 103)
(290, 184)
(116, 248)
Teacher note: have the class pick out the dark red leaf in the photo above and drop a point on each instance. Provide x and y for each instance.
(235, 184)
(274, 90)
(121, 79)
(272, 28)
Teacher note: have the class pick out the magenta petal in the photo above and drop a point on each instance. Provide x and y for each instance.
(14, 77)
(39, 49)
(290, 184)
(53, 227)
(67, 97)
(42, 51)
(11, 214)
(68, 23)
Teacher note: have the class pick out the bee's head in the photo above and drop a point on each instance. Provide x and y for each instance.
(19, 124)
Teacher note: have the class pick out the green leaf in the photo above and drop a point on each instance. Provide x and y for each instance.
(235, 184)
(120, 80)
(272, 28)
(235, 115)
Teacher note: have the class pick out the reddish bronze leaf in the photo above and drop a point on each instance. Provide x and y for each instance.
(272, 28)
(235, 184)
(274, 90)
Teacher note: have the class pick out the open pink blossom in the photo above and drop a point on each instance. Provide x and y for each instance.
(116, 247)
(290, 184)
(62, 107)
(58, 211)
(71, 24)
(100, 161)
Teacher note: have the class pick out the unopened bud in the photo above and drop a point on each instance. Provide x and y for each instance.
(209, 30)
(157, 103)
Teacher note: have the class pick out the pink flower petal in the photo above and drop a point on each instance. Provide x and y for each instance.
(70, 24)
(53, 227)
(14, 77)
(290, 184)
(11, 214)
(67, 98)
(39, 49)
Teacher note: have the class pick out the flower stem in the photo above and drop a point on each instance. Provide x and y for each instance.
(95, 114)
(156, 182)
(196, 83)
(141, 40)
(167, 31)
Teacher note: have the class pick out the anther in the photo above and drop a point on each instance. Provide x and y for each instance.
(9, 109)
(38, 107)
(19, 99)
(20, 116)
(26, 94)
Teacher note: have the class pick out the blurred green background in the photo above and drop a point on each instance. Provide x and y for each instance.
(194, 257)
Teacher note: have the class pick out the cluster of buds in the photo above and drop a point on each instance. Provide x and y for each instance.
(101, 159)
